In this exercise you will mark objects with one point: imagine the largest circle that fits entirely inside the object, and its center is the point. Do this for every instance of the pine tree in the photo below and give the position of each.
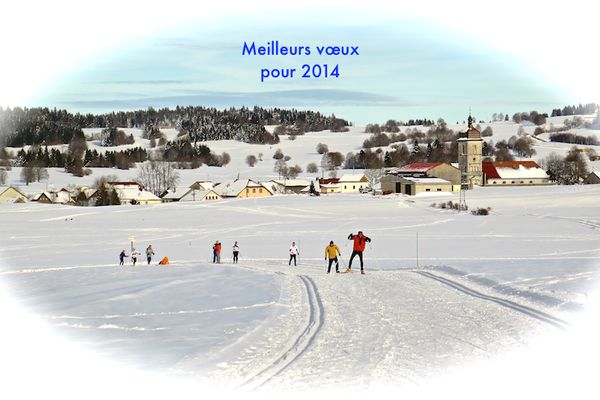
(387, 159)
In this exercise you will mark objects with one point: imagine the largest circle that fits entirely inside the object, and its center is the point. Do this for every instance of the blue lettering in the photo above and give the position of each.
(249, 50)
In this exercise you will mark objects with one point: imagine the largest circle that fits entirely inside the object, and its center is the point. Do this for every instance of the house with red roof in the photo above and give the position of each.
(513, 173)
(330, 185)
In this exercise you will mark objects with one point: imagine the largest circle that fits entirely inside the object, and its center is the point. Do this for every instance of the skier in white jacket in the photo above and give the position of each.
(293, 253)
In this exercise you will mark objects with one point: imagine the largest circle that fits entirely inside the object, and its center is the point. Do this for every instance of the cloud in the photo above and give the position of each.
(285, 98)
(144, 82)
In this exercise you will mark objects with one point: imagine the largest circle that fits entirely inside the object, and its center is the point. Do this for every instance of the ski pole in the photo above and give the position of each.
(376, 259)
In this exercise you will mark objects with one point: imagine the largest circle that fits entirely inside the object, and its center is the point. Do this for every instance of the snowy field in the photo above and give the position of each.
(481, 288)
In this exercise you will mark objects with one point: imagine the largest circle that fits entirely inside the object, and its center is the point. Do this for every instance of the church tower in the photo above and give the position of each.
(470, 147)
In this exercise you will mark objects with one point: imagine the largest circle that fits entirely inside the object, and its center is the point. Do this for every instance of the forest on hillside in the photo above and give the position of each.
(45, 126)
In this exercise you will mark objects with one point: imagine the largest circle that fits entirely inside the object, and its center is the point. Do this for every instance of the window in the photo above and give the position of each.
(521, 181)
(253, 190)
(345, 187)
(353, 187)
(260, 190)
(504, 182)
(494, 182)
(439, 189)
(530, 181)
(428, 190)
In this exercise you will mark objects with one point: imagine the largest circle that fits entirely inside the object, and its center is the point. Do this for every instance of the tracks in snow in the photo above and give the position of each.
(302, 342)
(531, 312)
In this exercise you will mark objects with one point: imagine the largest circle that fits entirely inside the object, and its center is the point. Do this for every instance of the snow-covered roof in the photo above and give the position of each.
(37, 196)
(428, 180)
(513, 170)
(177, 193)
(135, 194)
(418, 167)
(203, 184)
(291, 182)
(124, 184)
(62, 196)
(203, 193)
(353, 178)
(231, 188)
(234, 188)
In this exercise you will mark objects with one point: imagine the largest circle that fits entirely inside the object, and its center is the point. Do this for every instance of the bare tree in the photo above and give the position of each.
(278, 154)
(224, 159)
(33, 172)
(103, 180)
(374, 176)
(294, 171)
(251, 160)
(322, 148)
(281, 168)
(312, 168)
(158, 176)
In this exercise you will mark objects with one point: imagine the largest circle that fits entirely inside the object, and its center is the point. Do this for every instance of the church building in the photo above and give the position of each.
(470, 146)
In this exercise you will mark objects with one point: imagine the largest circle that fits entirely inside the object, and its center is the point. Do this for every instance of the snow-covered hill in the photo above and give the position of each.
(302, 151)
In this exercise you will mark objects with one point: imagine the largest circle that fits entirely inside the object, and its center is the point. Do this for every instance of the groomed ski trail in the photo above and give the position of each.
(539, 315)
(302, 342)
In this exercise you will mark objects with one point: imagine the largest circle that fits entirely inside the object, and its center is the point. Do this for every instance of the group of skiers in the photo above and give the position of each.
(135, 254)
(332, 251)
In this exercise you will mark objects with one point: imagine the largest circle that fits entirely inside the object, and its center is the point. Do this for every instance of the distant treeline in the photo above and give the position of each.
(574, 139)
(579, 109)
(77, 159)
(44, 126)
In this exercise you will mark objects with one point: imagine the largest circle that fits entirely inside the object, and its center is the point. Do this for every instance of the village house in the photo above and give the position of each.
(134, 195)
(63, 196)
(87, 197)
(353, 183)
(202, 185)
(286, 186)
(125, 185)
(513, 173)
(432, 170)
(329, 185)
(242, 188)
(9, 194)
(412, 186)
(188, 194)
(593, 178)
(44, 198)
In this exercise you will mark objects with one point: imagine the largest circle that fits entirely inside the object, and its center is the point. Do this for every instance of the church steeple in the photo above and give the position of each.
(470, 120)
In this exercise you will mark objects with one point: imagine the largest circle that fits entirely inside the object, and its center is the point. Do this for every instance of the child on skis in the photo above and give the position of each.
(293, 253)
(122, 257)
(149, 253)
(134, 256)
(331, 252)
(359, 246)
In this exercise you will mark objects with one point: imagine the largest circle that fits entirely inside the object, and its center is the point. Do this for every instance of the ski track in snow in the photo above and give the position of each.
(302, 342)
(542, 316)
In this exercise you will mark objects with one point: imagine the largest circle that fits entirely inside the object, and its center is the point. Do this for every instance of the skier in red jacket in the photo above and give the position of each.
(359, 246)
